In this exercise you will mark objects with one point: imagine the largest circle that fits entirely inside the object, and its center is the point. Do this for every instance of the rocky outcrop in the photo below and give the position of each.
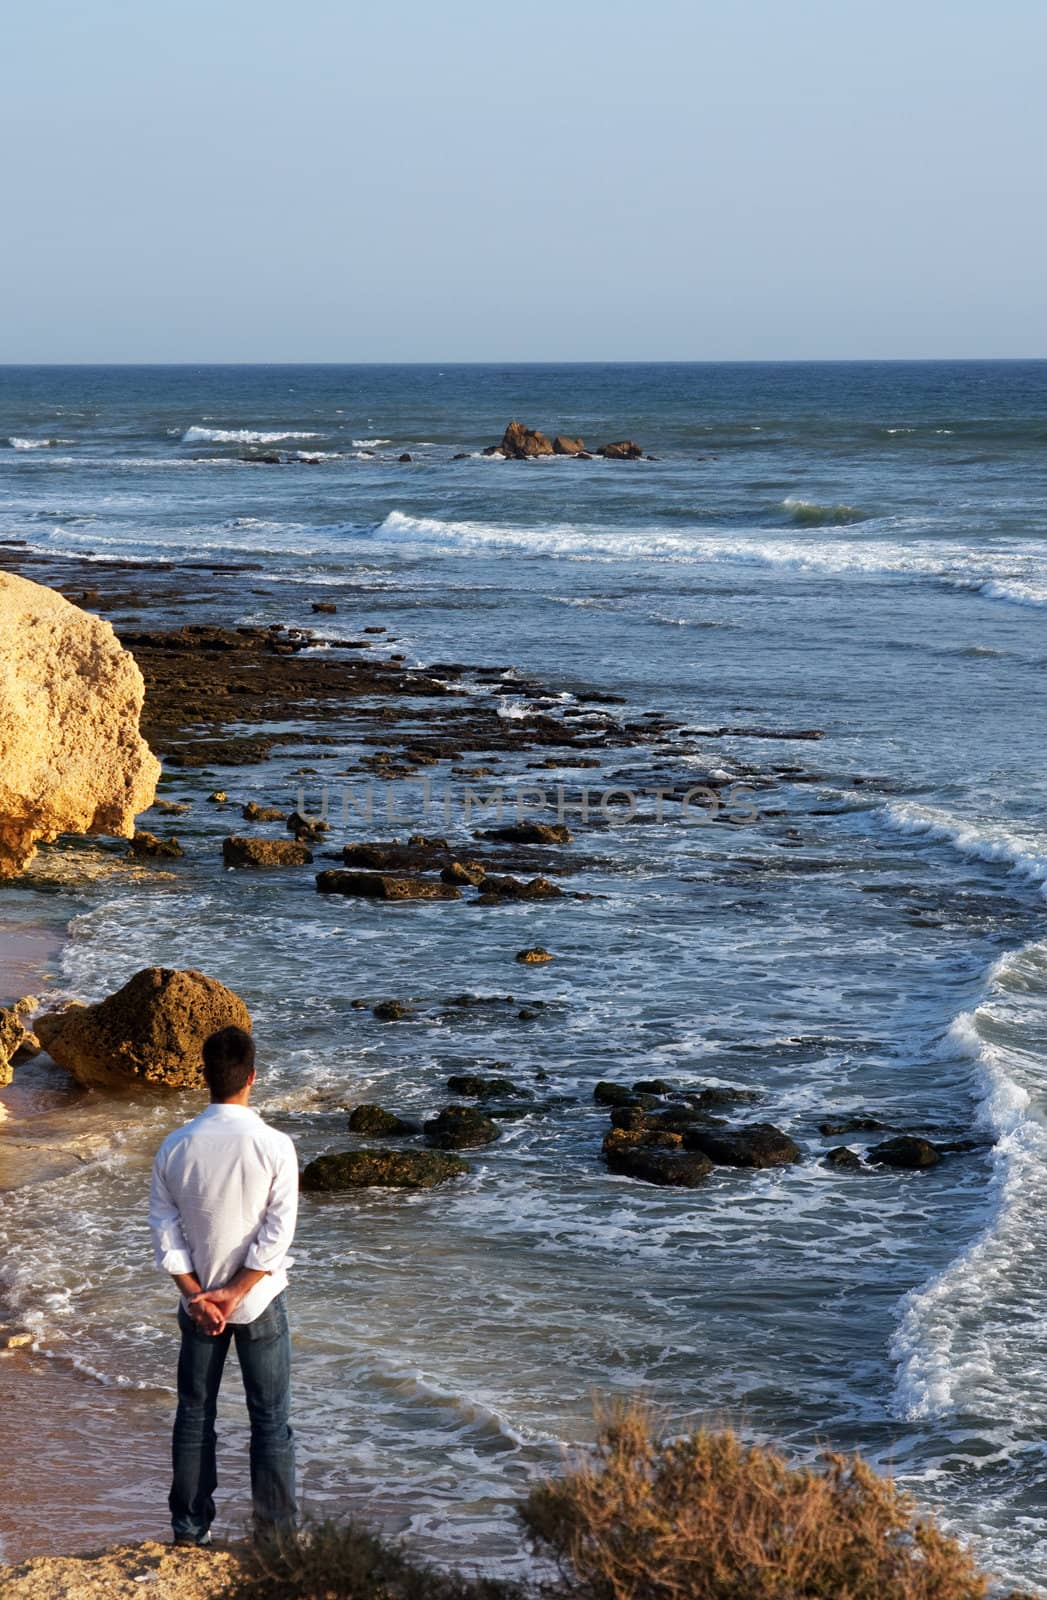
(380, 886)
(71, 757)
(521, 444)
(529, 833)
(621, 450)
(478, 1086)
(379, 1123)
(760, 1144)
(242, 850)
(563, 446)
(15, 1038)
(381, 1169)
(907, 1151)
(536, 955)
(147, 845)
(253, 812)
(149, 1034)
(459, 1128)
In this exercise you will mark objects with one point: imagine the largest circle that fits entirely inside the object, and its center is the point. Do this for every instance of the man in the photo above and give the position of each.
(222, 1211)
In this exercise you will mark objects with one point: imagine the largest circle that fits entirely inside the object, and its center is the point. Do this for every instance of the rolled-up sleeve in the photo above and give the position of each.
(169, 1242)
(268, 1250)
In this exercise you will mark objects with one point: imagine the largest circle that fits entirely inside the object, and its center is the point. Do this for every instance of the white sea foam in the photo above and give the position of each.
(199, 435)
(972, 1339)
(1017, 575)
(369, 444)
(978, 841)
(36, 444)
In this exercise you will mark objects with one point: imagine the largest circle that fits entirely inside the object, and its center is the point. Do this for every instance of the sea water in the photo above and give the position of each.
(860, 549)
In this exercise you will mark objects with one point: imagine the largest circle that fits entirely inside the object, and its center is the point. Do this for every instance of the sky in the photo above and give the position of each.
(437, 180)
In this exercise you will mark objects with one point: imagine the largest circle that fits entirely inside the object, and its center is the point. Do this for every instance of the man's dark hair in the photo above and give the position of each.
(228, 1062)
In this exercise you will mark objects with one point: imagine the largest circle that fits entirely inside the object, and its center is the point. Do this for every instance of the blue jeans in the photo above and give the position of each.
(263, 1348)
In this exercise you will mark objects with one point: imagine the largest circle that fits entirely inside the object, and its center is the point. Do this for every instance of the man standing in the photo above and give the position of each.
(222, 1211)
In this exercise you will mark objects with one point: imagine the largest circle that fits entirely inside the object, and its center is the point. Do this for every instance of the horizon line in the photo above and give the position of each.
(607, 361)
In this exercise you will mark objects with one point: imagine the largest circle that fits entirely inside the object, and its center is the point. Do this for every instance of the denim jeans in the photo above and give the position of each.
(264, 1351)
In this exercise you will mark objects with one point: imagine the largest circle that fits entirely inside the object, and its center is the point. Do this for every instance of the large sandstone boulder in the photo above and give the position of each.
(520, 443)
(150, 1033)
(71, 757)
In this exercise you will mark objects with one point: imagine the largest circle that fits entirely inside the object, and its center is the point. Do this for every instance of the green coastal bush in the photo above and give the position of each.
(647, 1517)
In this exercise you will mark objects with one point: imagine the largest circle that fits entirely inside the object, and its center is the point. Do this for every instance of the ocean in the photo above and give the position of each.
(858, 549)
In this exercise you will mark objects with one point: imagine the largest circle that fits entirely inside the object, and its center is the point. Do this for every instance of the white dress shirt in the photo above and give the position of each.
(224, 1195)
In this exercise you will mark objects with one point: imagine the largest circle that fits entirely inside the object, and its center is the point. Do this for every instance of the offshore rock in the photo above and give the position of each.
(529, 833)
(253, 812)
(241, 850)
(621, 450)
(478, 1086)
(148, 1034)
(563, 446)
(72, 759)
(382, 1169)
(907, 1151)
(381, 886)
(147, 844)
(521, 444)
(760, 1144)
(460, 1128)
(379, 1122)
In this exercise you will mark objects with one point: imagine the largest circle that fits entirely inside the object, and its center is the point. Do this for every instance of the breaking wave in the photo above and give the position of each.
(199, 435)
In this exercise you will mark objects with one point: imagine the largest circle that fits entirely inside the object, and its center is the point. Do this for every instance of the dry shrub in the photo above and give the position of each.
(340, 1561)
(709, 1518)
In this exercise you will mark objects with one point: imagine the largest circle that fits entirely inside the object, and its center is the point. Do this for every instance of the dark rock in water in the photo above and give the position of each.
(239, 850)
(391, 1010)
(657, 1159)
(529, 833)
(675, 1119)
(460, 1128)
(266, 458)
(471, 873)
(380, 886)
(653, 1086)
(536, 956)
(252, 812)
(326, 607)
(381, 1169)
(843, 1159)
(616, 1094)
(460, 455)
(147, 844)
(621, 450)
(496, 888)
(563, 446)
(380, 1123)
(521, 444)
(855, 1124)
(405, 457)
(475, 1086)
(419, 853)
(760, 1144)
(906, 1151)
(720, 1095)
(307, 830)
(170, 808)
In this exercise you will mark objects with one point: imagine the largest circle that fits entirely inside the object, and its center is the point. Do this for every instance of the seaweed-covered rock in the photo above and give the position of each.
(460, 1128)
(382, 886)
(391, 1010)
(244, 850)
(656, 1159)
(906, 1151)
(149, 1034)
(759, 1144)
(477, 1086)
(381, 1169)
(379, 1122)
